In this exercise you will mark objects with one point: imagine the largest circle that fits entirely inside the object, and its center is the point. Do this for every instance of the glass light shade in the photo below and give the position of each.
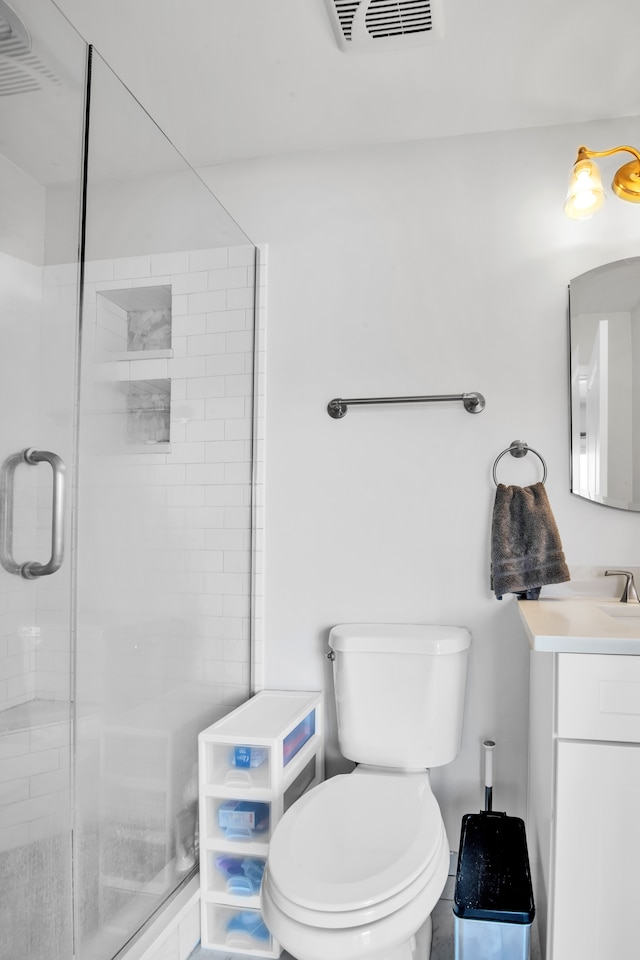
(585, 195)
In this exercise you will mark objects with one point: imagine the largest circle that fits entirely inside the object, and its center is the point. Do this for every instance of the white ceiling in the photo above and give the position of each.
(232, 79)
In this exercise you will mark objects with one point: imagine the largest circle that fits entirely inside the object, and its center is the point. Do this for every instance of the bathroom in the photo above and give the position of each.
(383, 282)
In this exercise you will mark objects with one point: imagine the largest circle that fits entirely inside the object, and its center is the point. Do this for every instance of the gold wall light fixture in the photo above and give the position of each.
(585, 195)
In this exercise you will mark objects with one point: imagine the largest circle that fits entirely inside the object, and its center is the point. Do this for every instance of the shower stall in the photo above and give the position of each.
(126, 452)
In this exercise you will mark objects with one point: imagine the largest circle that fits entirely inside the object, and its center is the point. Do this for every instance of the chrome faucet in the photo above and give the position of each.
(629, 592)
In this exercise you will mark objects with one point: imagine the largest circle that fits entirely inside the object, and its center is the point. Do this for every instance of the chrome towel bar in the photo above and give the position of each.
(473, 402)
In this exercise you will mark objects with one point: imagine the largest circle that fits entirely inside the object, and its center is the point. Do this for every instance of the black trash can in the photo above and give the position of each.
(493, 900)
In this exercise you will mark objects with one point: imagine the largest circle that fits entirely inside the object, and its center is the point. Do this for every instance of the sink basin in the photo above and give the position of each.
(623, 611)
(581, 625)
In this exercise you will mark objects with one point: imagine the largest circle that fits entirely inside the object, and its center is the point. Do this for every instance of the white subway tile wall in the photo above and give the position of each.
(192, 495)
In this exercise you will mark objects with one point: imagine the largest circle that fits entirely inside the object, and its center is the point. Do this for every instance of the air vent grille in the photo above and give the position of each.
(346, 10)
(358, 23)
(21, 71)
(388, 19)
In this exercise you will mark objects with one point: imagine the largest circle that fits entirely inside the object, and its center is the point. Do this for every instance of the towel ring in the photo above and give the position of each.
(518, 448)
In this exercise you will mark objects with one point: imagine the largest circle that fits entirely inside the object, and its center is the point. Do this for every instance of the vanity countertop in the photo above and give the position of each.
(581, 625)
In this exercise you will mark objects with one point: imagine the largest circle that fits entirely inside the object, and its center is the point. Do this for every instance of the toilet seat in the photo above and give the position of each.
(341, 857)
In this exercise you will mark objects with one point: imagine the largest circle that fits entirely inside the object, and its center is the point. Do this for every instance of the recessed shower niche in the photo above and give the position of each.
(148, 410)
(133, 325)
(134, 320)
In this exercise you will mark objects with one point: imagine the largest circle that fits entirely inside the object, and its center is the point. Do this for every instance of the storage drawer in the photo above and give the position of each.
(238, 820)
(245, 766)
(231, 928)
(598, 697)
(232, 873)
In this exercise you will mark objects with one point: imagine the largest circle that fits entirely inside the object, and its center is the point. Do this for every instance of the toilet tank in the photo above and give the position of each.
(399, 691)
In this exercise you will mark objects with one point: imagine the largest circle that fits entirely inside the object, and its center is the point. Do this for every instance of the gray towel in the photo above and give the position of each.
(526, 551)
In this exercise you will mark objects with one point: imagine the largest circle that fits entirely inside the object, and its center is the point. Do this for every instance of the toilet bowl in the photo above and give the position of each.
(356, 866)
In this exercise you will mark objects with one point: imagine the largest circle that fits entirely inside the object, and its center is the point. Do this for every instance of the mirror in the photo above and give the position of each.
(604, 325)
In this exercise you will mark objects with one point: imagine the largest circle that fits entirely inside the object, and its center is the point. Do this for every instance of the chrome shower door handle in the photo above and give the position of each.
(31, 569)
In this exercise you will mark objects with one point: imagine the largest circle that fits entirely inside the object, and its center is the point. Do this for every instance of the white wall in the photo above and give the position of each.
(427, 267)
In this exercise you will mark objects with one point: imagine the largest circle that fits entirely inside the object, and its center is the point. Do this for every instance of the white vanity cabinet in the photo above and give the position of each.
(584, 803)
(253, 764)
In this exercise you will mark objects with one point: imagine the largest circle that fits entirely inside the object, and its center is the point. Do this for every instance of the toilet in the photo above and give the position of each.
(356, 865)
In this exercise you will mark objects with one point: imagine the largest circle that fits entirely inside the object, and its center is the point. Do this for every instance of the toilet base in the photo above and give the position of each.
(417, 947)
(423, 940)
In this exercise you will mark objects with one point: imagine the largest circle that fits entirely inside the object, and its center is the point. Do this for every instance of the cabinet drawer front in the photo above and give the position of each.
(598, 697)
(597, 848)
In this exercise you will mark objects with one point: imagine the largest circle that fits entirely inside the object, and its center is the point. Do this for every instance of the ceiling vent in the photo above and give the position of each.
(377, 24)
(21, 71)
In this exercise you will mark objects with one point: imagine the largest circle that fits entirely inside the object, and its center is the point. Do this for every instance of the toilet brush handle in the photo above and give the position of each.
(489, 747)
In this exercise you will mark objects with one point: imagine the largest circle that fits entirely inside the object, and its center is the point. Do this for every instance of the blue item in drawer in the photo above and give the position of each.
(251, 922)
(249, 757)
(244, 874)
(241, 818)
(230, 866)
(295, 740)
(253, 870)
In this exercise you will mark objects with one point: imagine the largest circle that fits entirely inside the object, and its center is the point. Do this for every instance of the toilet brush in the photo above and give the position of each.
(489, 747)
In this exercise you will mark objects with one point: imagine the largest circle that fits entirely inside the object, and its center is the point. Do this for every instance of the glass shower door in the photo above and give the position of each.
(125, 605)
(164, 509)
(42, 96)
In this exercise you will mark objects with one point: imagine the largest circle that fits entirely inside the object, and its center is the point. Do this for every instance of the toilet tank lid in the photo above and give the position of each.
(418, 638)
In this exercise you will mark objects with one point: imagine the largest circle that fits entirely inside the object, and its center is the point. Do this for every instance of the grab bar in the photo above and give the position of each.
(473, 402)
(31, 569)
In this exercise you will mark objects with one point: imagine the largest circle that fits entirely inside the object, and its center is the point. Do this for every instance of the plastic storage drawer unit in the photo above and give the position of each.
(253, 764)
(493, 899)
